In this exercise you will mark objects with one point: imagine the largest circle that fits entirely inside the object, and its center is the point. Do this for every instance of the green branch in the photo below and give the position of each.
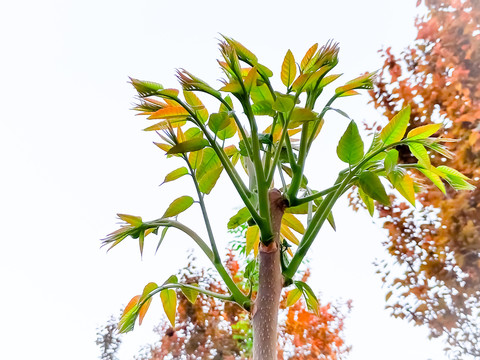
(178, 225)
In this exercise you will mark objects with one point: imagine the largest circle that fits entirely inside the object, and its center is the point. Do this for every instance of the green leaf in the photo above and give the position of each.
(178, 206)
(448, 171)
(193, 133)
(367, 200)
(373, 187)
(218, 121)
(175, 174)
(162, 236)
(441, 149)
(141, 240)
(263, 70)
(391, 160)
(263, 107)
(188, 146)
(455, 178)
(209, 171)
(423, 132)
(239, 218)
(250, 269)
(261, 93)
(228, 131)
(169, 301)
(396, 128)
(252, 238)
(293, 296)
(190, 294)
(173, 279)
(350, 147)
(310, 298)
(419, 151)
(289, 69)
(283, 104)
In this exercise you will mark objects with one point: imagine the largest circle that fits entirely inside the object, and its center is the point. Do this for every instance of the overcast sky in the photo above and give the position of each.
(73, 155)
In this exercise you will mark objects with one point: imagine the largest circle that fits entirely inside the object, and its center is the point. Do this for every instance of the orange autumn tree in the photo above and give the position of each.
(211, 329)
(437, 245)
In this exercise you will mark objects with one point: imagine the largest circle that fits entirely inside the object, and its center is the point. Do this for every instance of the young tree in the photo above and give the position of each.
(210, 144)
(438, 244)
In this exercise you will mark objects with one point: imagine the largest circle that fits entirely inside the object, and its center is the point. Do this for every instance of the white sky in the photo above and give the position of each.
(73, 155)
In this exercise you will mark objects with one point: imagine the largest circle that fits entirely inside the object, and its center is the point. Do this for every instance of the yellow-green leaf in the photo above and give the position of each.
(396, 127)
(308, 56)
(194, 144)
(423, 132)
(451, 172)
(197, 105)
(175, 174)
(292, 222)
(419, 151)
(434, 178)
(404, 184)
(129, 315)
(251, 79)
(190, 294)
(169, 302)
(288, 234)
(170, 112)
(300, 82)
(178, 206)
(239, 218)
(218, 121)
(289, 69)
(391, 160)
(131, 219)
(252, 238)
(167, 124)
(195, 158)
(283, 104)
(329, 79)
(300, 114)
(293, 296)
(208, 171)
(310, 298)
(146, 291)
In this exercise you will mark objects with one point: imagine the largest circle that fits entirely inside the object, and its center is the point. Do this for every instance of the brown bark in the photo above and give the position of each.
(265, 313)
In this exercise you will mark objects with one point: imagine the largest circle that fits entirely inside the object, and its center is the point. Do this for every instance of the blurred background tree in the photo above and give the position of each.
(212, 329)
(436, 280)
(108, 339)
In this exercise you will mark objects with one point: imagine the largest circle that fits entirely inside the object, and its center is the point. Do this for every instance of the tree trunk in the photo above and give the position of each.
(265, 312)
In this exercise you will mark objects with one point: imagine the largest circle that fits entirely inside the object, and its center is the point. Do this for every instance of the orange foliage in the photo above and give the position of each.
(211, 329)
(438, 245)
